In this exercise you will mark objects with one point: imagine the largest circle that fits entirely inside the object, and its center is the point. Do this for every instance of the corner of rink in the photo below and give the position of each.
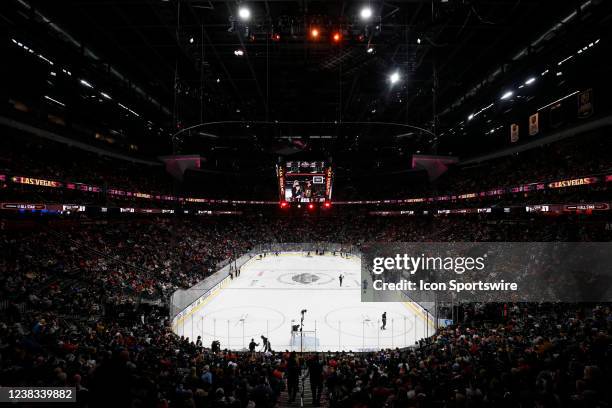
(301, 301)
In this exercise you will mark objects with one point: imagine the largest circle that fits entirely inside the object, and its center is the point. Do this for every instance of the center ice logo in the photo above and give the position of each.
(305, 278)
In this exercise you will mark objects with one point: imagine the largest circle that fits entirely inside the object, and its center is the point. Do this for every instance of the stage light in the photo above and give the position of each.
(284, 204)
(311, 206)
(314, 33)
(418, 40)
(191, 40)
(507, 95)
(244, 13)
(370, 50)
(337, 37)
(327, 204)
(394, 77)
(85, 83)
(530, 81)
(276, 37)
(239, 53)
(366, 13)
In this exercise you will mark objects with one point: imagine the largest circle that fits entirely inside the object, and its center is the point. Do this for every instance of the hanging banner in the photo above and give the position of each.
(514, 133)
(534, 124)
(585, 104)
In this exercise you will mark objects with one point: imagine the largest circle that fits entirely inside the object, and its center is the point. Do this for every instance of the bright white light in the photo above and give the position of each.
(394, 77)
(54, 100)
(418, 40)
(85, 83)
(105, 95)
(218, 80)
(565, 60)
(507, 95)
(370, 50)
(530, 81)
(190, 40)
(471, 116)
(244, 13)
(558, 100)
(366, 13)
(239, 53)
(559, 73)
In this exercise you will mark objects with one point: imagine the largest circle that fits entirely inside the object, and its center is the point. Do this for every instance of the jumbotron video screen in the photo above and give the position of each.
(305, 181)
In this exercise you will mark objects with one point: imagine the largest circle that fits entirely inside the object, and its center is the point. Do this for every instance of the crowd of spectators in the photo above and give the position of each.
(574, 157)
(582, 156)
(76, 314)
(25, 155)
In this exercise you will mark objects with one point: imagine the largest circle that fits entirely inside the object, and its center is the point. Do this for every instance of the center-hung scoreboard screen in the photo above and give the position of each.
(305, 181)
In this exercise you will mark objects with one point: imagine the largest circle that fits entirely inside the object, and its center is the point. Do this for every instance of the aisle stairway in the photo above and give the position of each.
(283, 401)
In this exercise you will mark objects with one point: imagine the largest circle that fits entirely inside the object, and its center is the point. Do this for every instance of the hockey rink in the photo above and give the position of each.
(268, 296)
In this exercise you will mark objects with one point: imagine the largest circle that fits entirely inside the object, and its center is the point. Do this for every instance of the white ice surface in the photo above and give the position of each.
(268, 296)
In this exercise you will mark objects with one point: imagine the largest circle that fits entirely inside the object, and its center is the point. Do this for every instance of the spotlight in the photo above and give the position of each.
(507, 95)
(530, 81)
(337, 37)
(238, 53)
(244, 13)
(394, 77)
(418, 40)
(276, 37)
(191, 40)
(311, 206)
(366, 13)
(370, 50)
(284, 204)
(85, 83)
(327, 204)
(314, 33)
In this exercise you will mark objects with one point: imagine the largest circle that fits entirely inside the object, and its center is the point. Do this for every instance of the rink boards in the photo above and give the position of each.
(267, 297)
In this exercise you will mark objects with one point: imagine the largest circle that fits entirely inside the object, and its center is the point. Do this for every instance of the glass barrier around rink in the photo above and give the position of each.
(356, 334)
(183, 299)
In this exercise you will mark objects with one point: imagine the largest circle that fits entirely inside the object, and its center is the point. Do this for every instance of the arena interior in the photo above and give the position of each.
(193, 194)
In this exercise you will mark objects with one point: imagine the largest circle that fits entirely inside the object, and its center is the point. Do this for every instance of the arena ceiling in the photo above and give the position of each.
(184, 59)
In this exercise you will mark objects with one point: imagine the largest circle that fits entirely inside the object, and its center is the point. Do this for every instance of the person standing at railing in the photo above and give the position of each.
(252, 345)
(293, 376)
(315, 370)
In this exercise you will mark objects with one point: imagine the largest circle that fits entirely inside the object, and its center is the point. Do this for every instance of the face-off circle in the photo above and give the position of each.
(305, 278)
